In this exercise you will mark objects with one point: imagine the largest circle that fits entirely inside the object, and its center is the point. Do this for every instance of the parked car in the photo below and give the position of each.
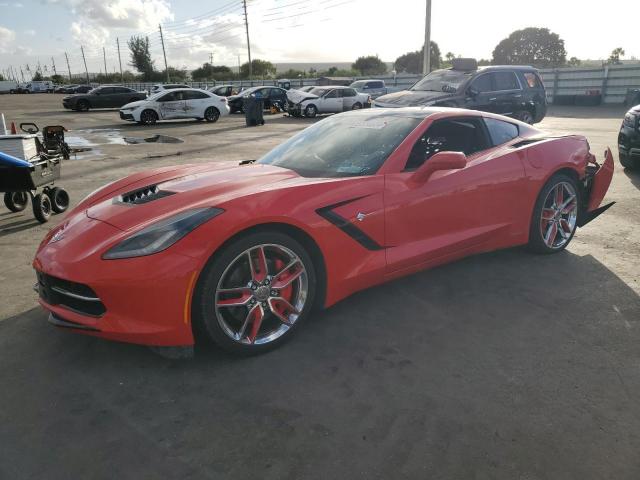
(242, 253)
(224, 90)
(629, 139)
(374, 88)
(61, 89)
(325, 100)
(306, 88)
(20, 88)
(44, 86)
(513, 91)
(160, 87)
(80, 89)
(269, 95)
(107, 96)
(175, 104)
(8, 86)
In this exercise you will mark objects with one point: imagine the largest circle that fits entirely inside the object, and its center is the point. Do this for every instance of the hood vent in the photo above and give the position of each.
(144, 195)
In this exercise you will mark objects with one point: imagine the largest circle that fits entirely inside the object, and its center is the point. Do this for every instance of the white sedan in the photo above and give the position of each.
(176, 104)
(325, 100)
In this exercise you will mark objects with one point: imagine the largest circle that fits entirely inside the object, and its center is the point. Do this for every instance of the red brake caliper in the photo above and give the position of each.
(286, 292)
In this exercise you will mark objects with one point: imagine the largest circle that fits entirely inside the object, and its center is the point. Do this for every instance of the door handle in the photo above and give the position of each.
(492, 99)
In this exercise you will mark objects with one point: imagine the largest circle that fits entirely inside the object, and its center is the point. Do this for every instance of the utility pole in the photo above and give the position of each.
(104, 56)
(166, 67)
(68, 67)
(211, 58)
(85, 64)
(246, 25)
(426, 67)
(53, 64)
(120, 61)
(238, 65)
(21, 73)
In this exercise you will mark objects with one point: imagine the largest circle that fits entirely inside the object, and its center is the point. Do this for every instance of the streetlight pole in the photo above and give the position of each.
(426, 64)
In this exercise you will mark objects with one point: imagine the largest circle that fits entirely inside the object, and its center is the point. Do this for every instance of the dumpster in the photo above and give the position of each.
(253, 110)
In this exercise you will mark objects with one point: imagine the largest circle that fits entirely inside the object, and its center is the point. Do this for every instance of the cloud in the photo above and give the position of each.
(30, 32)
(6, 38)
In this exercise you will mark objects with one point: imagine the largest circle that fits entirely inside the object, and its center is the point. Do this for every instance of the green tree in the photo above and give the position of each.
(574, 62)
(212, 72)
(1, 77)
(292, 74)
(370, 65)
(531, 46)
(412, 62)
(141, 57)
(260, 68)
(37, 77)
(614, 58)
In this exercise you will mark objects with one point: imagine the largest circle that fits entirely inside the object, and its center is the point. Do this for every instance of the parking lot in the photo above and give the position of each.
(505, 365)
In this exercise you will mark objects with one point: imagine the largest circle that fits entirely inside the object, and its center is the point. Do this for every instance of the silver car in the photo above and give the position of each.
(373, 88)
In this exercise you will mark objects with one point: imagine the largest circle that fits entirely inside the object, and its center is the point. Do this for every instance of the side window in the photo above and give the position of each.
(456, 135)
(375, 84)
(533, 81)
(501, 132)
(349, 92)
(483, 83)
(332, 94)
(106, 90)
(169, 97)
(276, 93)
(189, 95)
(122, 90)
(505, 81)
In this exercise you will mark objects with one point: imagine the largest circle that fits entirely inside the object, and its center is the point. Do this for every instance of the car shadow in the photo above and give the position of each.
(535, 353)
(634, 176)
(16, 226)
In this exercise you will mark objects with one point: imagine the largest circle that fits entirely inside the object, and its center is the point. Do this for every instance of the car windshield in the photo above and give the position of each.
(346, 145)
(357, 85)
(448, 81)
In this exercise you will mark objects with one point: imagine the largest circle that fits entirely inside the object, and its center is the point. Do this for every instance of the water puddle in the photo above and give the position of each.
(83, 142)
(154, 139)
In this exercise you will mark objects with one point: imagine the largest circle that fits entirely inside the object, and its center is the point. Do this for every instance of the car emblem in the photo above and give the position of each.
(361, 216)
(59, 235)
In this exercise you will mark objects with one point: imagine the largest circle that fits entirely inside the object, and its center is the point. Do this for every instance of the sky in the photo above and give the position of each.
(296, 30)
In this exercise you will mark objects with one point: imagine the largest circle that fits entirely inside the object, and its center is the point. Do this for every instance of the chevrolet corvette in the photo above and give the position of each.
(241, 253)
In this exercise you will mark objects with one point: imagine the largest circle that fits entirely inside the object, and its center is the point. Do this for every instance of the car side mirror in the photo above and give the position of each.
(440, 161)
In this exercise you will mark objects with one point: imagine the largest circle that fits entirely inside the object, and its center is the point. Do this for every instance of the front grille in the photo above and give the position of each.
(144, 195)
(75, 296)
(630, 120)
(126, 116)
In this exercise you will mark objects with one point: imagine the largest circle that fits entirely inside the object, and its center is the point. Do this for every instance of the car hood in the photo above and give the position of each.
(296, 96)
(150, 196)
(411, 98)
(134, 104)
(76, 96)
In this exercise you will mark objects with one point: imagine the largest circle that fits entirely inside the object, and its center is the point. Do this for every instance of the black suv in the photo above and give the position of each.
(269, 95)
(514, 91)
(629, 139)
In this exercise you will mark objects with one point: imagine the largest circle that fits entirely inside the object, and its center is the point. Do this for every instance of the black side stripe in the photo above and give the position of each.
(346, 226)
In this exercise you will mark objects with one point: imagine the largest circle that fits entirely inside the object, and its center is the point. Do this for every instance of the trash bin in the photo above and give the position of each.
(253, 111)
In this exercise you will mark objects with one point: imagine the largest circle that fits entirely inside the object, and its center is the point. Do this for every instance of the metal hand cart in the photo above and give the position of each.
(35, 177)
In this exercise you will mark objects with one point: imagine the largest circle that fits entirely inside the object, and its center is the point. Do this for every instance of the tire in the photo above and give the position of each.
(233, 327)
(310, 111)
(553, 232)
(59, 199)
(82, 106)
(42, 207)
(211, 114)
(525, 116)
(148, 117)
(629, 163)
(356, 106)
(16, 201)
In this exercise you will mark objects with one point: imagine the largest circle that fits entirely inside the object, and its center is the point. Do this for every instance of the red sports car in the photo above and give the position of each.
(241, 253)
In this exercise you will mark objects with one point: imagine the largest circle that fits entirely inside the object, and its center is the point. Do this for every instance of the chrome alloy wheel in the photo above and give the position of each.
(261, 294)
(559, 215)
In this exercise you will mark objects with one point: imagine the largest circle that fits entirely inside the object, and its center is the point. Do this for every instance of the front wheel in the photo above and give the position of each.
(148, 117)
(311, 111)
(356, 106)
(16, 201)
(255, 293)
(211, 114)
(555, 215)
(83, 106)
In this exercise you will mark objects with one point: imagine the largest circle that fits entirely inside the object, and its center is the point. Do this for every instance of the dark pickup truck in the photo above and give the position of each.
(513, 91)
(102, 97)
(629, 139)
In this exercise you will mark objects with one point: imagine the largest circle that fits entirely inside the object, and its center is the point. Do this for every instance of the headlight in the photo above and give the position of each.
(161, 235)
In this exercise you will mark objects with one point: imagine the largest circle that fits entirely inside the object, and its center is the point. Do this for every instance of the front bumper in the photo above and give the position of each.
(116, 299)
(629, 143)
(126, 116)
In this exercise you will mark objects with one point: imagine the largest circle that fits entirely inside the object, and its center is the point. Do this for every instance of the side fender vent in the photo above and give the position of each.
(528, 141)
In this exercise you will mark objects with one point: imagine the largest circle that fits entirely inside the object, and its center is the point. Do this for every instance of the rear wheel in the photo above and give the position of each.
(211, 114)
(555, 215)
(356, 106)
(16, 201)
(42, 207)
(59, 199)
(525, 116)
(255, 293)
(148, 117)
(629, 163)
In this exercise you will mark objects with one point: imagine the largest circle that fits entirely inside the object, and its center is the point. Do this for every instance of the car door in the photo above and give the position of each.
(349, 98)
(480, 94)
(103, 97)
(171, 105)
(278, 96)
(331, 102)
(197, 103)
(507, 92)
(121, 96)
(454, 212)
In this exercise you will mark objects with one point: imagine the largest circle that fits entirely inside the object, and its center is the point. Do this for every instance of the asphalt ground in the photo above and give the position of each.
(504, 365)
